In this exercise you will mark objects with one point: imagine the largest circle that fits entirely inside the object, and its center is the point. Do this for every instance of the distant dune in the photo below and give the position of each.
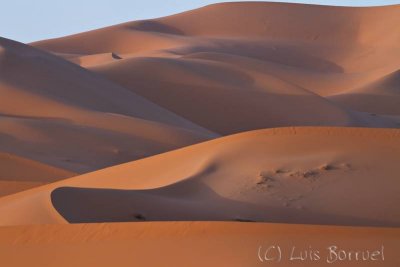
(18, 174)
(256, 114)
(261, 58)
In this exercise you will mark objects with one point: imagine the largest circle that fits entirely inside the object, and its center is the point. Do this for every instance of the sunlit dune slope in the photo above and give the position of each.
(17, 174)
(293, 175)
(202, 138)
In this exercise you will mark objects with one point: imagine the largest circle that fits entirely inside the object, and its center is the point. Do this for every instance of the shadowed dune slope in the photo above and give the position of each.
(328, 178)
(62, 115)
(229, 98)
(157, 142)
(381, 96)
(41, 76)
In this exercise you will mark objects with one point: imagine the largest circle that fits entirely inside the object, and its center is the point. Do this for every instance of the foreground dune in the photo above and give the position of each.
(192, 244)
(291, 175)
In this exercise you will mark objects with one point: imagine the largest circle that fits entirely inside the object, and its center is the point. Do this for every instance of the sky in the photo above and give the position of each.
(32, 20)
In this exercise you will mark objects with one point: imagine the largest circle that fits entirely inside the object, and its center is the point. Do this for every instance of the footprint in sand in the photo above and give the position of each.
(291, 185)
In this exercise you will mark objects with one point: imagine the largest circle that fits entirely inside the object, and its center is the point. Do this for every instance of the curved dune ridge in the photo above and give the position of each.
(206, 135)
(288, 175)
(62, 115)
(369, 97)
(151, 86)
(261, 58)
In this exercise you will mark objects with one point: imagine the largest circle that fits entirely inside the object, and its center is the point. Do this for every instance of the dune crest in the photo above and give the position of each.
(324, 52)
(243, 177)
(199, 138)
(62, 115)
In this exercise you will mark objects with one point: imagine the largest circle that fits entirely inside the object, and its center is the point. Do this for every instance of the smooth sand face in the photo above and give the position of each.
(57, 113)
(189, 244)
(152, 94)
(287, 175)
(18, 174)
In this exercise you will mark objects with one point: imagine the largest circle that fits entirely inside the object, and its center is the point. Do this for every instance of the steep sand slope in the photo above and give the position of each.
(293, 175)
(189, 244)
(380, 97)
(23, 72)
(60, 114)
(17, 174)
(205, 55)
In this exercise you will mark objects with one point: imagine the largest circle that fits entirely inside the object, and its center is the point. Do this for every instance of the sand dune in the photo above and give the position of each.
(328, 179)
(17, 174)
(188, 61)
(59, 114)
(253, 99)
(369, 98)
(191, 104)
(269, 20)
(341, 39)
(91, 60)
(76, 89)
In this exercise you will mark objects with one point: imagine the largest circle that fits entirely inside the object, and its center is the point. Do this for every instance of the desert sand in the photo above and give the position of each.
(201, 138)
(186, 244)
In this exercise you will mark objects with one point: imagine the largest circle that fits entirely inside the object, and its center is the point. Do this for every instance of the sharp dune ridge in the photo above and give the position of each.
(259, 184)
(80, 120)
(198, 134)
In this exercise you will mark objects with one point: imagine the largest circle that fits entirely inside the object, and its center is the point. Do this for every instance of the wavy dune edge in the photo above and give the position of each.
(202, 138)
(328, 178)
